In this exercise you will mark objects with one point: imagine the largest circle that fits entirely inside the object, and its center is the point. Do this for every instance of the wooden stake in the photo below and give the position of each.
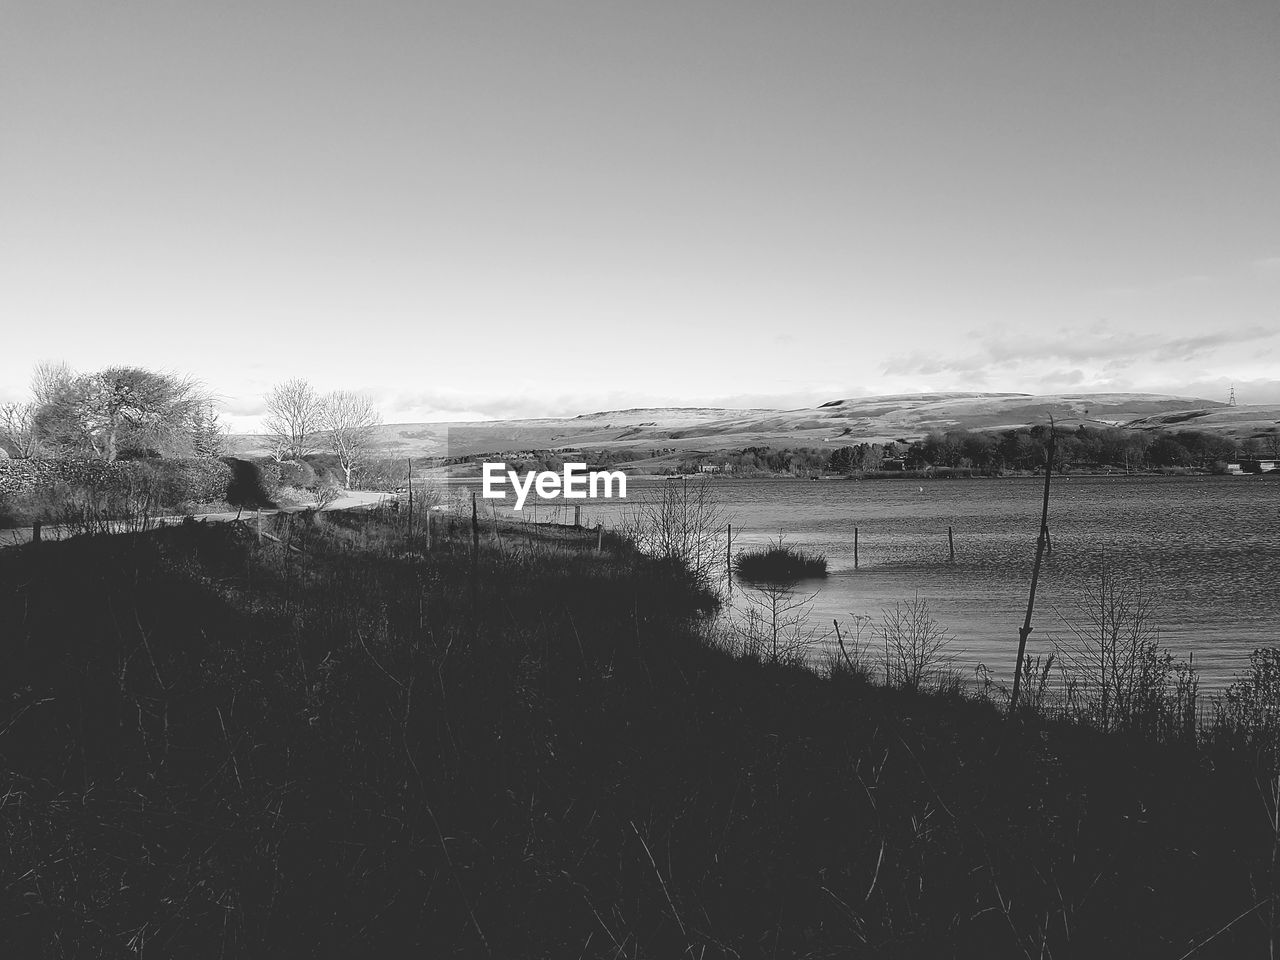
(577, 514)
(728, 552)
(599, 536)
(951, 543)
(855, 548)
(1025, 631)
(35, 532)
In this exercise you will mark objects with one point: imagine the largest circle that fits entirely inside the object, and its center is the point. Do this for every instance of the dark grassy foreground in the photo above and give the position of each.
(215, 748)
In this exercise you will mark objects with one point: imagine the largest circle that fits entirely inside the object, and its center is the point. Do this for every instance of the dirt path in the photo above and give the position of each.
(350, 500)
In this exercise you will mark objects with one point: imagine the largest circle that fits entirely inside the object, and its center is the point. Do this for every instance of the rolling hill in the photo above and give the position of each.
(654, 434)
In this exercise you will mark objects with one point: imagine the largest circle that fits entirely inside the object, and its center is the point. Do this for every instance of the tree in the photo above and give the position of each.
(842, 460)
(208, 439)
(18, 429)
(351, 421)
(294, 414)
(119, 410)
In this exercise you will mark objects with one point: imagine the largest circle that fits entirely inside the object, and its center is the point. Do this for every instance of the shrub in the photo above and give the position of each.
(1248, 712)
(682, 522)
(253, 484)
(778, 563)
(298, 473)
(914, 645)
(774, 625)
(385, 473)
(326, 493)
(202, 480)
(1116, 676)
(47, 489)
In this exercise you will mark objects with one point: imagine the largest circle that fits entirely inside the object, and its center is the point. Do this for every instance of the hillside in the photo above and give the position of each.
(528, 747)
(668, 430)
(1238, 422)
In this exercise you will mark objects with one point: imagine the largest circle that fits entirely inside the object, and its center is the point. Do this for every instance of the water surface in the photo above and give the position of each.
(1205, 549)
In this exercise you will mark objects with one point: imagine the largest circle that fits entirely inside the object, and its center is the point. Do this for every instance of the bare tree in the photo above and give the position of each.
(49, 379)
(775, 623)
(351, 421)
(294, 414)
(18, 429)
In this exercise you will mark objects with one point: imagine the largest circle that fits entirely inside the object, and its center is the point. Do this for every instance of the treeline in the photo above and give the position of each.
(994, 452)
(126, 440)
(525, 460)
(1111, 448)
(794, 461)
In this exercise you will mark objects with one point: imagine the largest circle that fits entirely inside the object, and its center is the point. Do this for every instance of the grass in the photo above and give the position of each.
(215, 746)
(779, 563)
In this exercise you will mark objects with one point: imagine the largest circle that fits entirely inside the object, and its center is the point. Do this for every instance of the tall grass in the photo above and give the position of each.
(339, 742)
(779, 562)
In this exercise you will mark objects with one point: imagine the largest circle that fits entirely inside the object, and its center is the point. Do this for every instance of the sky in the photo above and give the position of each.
(541, 207)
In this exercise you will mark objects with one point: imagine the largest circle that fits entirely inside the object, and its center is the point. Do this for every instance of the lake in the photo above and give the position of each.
(1205, 549)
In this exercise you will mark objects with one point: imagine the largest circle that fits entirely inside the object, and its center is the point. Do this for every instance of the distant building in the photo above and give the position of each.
(1258, 466)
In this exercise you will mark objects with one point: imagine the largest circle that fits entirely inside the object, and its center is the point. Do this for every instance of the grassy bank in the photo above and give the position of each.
(342, 744)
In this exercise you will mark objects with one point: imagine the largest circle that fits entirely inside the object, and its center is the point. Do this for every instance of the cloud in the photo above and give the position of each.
(1096, 347)
(439, 406)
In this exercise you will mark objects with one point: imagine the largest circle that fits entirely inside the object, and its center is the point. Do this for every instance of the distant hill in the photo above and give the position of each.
(1237, 422)
(669, 431)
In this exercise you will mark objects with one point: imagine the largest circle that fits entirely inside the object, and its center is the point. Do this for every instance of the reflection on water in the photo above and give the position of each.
(1207, 549)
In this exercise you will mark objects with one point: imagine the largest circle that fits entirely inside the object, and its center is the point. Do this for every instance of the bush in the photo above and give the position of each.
(1248, 712)
(681, 522)
(253, 485)
(326, 493)
(45, 490)
(298, 473)
(778, 563)
(327, 469)
(1116, 675)
(914, 645)
(177, 481)
(385, 473)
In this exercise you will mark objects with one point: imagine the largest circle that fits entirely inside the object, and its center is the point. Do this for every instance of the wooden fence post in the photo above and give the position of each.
(35, 532)
(855, 548)
(951, 544)
(409, 461)
(599, 536)
(475, 526)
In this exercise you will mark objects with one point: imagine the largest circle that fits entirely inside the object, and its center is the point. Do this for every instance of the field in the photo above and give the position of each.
(355, 743)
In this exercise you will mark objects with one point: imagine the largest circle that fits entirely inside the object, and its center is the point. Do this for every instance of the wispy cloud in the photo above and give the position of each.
(1096, 347)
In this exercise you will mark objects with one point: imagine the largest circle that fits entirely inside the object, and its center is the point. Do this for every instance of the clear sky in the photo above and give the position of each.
(548, 207)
